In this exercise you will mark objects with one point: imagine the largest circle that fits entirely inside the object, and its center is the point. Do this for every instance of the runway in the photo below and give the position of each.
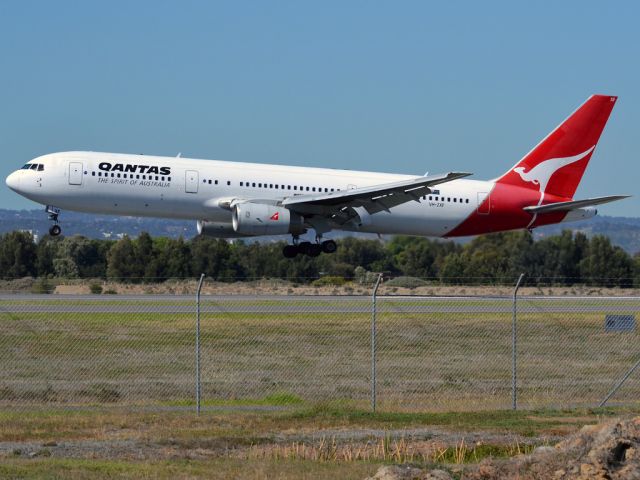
(274, 304)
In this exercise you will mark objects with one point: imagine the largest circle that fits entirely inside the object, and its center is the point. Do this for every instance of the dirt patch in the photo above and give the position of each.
(609, 451)
(284, 287)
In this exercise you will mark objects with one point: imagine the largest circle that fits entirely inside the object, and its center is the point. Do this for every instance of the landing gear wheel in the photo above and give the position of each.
(55, 230)
(290, 251)
(314, 250)
(329, 246)
(303, 247)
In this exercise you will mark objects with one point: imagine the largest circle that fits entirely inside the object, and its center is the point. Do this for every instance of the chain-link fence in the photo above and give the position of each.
(432, 352)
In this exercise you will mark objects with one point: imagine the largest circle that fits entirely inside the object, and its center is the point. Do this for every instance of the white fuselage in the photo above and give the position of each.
(197, 189)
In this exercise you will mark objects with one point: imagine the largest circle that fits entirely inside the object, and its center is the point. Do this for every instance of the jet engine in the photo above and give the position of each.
(217, 229)
(263, 219)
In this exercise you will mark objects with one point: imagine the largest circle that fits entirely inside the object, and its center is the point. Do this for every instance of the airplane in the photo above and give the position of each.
(233, 200)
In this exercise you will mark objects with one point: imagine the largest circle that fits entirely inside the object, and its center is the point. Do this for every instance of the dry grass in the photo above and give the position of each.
(437, 361)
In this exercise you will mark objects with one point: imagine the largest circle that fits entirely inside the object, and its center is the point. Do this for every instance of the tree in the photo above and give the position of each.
(79, 256)
(606, 264)
(45, 252)
(420, 257)
(122, 261)
(17, 255)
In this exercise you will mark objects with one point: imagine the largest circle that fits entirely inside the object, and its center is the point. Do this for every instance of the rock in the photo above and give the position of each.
(407, 472)
(543, 449)
(436, 475)
(397, 472)
(608, 451)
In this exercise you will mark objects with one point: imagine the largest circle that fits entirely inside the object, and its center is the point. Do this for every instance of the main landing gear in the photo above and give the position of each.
(53, 213)
(308, 248)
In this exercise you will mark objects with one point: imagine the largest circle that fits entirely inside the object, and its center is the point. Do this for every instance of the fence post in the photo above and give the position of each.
(198, 385)
(373, 343)
(514, 345)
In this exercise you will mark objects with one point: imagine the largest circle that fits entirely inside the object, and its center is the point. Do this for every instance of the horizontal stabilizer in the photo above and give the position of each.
(573, 204)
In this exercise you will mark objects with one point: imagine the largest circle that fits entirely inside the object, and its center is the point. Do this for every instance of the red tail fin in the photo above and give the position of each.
(557, 163)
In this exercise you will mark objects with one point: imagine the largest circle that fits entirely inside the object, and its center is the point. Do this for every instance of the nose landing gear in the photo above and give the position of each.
(308, 248)
(53, 213)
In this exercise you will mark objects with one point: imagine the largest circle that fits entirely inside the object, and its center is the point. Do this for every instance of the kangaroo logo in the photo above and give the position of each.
(541, 174)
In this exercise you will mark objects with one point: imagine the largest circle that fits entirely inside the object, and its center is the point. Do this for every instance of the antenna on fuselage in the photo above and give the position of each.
(179, 155)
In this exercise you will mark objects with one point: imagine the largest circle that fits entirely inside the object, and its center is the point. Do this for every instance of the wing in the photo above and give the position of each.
(574, 204)
(342, 206)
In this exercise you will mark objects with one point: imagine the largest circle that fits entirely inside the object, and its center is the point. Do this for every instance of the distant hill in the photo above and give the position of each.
(622, 231)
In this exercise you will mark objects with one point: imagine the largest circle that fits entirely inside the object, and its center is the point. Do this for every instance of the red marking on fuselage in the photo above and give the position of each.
(275, 216)
(505, 205)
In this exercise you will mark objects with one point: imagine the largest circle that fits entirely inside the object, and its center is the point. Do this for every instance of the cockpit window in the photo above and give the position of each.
(33, 166)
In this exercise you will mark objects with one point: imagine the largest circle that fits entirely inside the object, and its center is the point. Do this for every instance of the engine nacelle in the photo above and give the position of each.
(263, 219)
(217, 229)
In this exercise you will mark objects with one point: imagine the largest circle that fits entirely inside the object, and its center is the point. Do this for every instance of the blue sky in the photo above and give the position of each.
(404, 87)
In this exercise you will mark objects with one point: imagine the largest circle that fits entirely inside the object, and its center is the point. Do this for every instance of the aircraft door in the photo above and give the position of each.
(75, 173)
(191, 181)
(484, 203)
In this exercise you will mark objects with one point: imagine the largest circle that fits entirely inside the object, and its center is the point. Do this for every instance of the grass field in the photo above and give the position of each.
(286, 385)
(427, 360)
(330, 440)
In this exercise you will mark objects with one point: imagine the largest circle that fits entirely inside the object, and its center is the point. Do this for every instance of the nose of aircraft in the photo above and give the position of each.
(13, 181)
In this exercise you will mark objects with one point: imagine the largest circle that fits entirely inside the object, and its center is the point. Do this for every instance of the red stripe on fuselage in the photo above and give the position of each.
(505, 205)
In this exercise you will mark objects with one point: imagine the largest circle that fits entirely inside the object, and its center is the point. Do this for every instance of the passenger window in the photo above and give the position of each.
(228, 182)
(295, 187)
(271, 185)
(169, 179)
(241, 184)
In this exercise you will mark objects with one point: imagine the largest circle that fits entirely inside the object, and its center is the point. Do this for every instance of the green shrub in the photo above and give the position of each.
(95, 288)
(406, 282)
(329, 280)
(42, 285)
